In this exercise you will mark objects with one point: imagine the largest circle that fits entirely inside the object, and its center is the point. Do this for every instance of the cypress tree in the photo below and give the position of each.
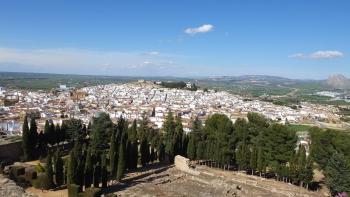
(52, 134)
(161, 154)
(47, 132)
(88, 171)
(71, 174)
(133, 131)
(97, 171)
(134, 155)
(58, 133)
(59, 176)
(191, 148)
(144, 149)
(49, 169)
(152, 154)
(30, 139)
(42, 145)
(121, 160)
(104, 173)
(33, 130)
(113, 157)
(184, 144)
(170, 138)
(179, 133)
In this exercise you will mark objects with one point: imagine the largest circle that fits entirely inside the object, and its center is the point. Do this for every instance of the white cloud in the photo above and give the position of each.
(152, 53)
(318, 55)
(297, 55)
(326, 54)
(202, 29)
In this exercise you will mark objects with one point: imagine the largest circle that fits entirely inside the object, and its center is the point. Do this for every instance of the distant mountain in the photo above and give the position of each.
(249, 78)
(338, 81)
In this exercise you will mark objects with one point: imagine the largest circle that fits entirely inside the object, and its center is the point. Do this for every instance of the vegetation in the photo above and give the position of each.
(331, 151)
(257, 145)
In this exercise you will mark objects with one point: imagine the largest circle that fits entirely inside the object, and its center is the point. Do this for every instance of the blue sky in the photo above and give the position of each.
(296, 39)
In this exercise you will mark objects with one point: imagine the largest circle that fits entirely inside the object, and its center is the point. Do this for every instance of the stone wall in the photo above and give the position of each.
(183, 164)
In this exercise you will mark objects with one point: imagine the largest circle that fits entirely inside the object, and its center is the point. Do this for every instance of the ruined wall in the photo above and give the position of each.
(182, 163)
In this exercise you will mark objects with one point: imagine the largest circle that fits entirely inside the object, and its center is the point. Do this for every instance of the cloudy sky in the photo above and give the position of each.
(296, 39)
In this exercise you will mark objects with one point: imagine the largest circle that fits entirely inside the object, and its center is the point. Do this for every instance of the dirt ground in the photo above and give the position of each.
(211, 182)
(166, 181)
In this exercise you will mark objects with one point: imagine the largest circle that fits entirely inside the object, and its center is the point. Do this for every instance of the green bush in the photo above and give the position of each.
(42, 182)
(73, 190)
(39, 168)
(92, 192)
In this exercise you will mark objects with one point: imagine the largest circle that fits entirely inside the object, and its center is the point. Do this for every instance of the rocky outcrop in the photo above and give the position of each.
(338, 81)
(9, 188)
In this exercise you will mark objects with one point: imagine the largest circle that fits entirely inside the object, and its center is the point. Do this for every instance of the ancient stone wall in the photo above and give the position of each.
(183, 164)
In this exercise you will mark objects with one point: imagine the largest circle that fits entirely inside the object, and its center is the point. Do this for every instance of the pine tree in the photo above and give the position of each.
(253, 159)
(309, 174)
(242, 156)
(102, 128)
(301, 164)
(260, 161)
(338, 174)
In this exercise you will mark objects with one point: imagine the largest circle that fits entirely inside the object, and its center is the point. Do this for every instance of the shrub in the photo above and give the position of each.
(73, 190)
(39, 168)
(92, 192)
(42, 182)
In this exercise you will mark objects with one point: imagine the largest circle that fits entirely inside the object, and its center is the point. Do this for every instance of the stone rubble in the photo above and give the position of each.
(9, 188)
